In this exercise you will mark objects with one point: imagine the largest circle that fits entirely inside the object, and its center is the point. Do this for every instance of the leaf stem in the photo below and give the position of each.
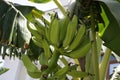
(104, 64)
(60, 7)
(94, 47)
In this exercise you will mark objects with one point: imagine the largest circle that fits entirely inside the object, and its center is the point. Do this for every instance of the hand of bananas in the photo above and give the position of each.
(65, 35)
(62, 37)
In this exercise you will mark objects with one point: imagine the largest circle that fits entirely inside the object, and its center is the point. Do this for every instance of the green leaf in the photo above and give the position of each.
(110, 33)
(27, 11)
(8, 25)
(29, 65)
(23, 34)
(13, 25)
(4, 6)
(3, 70)
(32, 70)
(40, 1)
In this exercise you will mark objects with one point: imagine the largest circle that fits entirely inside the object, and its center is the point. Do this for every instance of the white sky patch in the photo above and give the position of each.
(41, 6)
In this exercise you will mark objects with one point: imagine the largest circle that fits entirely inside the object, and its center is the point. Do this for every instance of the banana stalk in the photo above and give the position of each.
(51, 65)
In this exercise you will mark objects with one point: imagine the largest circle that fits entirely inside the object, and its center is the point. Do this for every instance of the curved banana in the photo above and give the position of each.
(40, 28)
(47, 33)
(71, 30)
(55, 32)
(52, 62)
(62, 71)
(81, 51)
(37, 42)
(63, 27)
(35, 75)
(78, 74)
(78, 38)
(46, 48)
(42, 59)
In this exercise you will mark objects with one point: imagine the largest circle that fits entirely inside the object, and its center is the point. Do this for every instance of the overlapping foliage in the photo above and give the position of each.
(73, 36)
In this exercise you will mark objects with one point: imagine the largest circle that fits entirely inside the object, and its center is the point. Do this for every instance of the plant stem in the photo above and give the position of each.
(95, 55)
(94, 47)
(104, 63)
(60, 7)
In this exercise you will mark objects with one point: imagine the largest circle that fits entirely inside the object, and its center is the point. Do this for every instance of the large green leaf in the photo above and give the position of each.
(27, 11)
(32, 70)
(4, 7)
(8, 25)
(110, 33)
(13, 27)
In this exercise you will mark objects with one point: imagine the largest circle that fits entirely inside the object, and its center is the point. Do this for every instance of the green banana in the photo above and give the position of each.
(54, 32)
(52, 63)
(78, 38)
(37, 42)
(78, 74)
(82, 50)
(47, 33)
(33, 30)
(63, 27)
(62, 71)
(42, 59)
(71, 30)
(46, 49)
(35, 75)
(40, 28)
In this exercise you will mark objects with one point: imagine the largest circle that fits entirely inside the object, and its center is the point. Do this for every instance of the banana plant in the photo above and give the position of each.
(78, 36)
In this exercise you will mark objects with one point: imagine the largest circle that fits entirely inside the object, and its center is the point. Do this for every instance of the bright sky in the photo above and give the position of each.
(44, 7)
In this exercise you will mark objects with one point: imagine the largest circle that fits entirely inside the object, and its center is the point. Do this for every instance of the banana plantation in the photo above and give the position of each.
(88, 34)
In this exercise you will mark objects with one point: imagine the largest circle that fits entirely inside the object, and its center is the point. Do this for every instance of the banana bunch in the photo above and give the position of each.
(71, 37)
(66, 36)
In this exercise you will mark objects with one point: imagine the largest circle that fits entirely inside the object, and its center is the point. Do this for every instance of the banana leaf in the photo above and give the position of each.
(27, 11)
(13, 28)
(110, 33)
(3, 70)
